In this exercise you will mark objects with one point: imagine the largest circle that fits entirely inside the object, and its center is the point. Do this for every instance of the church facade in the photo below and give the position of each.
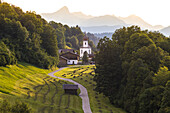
(85, 47)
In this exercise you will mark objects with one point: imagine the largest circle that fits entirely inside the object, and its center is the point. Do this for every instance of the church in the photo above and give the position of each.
(85, 47)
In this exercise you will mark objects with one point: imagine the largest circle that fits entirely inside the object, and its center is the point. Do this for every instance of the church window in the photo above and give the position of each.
(89, 51)
(85, 43)
(81, 51)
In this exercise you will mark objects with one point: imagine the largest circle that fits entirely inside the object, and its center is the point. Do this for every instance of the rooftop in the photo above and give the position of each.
(66, 50)
(85, 38)
(69, 53)
(70, 86)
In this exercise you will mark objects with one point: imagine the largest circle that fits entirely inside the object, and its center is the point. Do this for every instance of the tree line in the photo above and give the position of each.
(133, 70)
(26, 36)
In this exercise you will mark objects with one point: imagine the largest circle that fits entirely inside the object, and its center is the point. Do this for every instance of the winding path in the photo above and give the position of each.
(83, 94)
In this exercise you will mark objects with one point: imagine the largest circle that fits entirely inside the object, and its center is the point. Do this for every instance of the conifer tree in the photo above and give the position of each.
(85, 58)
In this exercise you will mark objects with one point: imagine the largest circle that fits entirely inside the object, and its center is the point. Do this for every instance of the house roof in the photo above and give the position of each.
(70, 86)
(66, 50)
(64, 58)
(70, 53)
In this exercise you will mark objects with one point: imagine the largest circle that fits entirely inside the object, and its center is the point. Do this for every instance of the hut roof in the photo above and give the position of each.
(70, 86)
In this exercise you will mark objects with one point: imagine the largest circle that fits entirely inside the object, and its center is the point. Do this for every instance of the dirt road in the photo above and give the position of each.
(83, 94)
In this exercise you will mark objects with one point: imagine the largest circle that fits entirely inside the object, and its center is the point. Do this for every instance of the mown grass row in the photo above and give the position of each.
(24, 82)
(84, 75)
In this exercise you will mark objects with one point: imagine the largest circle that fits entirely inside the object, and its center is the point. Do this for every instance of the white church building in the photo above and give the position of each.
(85, 47)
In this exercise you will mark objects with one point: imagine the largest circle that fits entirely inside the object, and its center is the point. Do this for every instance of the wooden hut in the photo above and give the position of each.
(70, 89)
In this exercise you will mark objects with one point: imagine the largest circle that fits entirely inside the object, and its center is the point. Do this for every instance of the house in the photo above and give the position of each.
(68, 58)
(85, 47)
(70, 89)
(63, 61)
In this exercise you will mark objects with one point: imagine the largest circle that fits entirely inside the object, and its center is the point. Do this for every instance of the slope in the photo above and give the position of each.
(27, 83)
(84, 75)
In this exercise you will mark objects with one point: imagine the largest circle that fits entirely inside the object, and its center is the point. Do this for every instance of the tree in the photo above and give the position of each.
(136, 41)
(5, 107)
(150, 100)
(67, 32)
(60, 34)
(8, 11)
(6, 56)
(122, 35)
(166, 62)
(130, 70)
(137, 73)
(85, 58)
(91, 44)
(74, 41)
(165, 105)
(18, 107)
(108, 68)
(49, 41)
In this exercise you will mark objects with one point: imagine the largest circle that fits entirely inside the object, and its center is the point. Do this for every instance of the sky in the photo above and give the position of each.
(155, 12)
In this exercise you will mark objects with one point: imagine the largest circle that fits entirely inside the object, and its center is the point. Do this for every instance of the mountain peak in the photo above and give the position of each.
(134, 17)
(63, 10)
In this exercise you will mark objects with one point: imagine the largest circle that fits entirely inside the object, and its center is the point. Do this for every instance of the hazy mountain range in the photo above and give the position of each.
(99, 24)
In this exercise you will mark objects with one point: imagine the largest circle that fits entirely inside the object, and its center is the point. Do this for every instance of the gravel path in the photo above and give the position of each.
(83, 94)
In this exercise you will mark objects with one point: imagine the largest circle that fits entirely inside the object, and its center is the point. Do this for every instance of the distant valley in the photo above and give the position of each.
(100, 24)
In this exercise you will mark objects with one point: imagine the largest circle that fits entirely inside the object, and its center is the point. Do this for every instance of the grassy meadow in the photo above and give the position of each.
(84, 75)
(27, 83)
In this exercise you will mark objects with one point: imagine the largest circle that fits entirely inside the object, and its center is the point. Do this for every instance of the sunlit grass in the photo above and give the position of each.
(18, 80)
(98, 102)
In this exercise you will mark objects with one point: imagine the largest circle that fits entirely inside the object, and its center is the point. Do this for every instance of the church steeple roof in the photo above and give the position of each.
(85, 38)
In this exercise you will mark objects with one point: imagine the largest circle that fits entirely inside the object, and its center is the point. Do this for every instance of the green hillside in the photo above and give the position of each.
(84, 75)
(32, 85)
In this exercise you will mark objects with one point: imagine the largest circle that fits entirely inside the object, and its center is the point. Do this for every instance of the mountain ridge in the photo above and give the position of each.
(64, 16)
(166, 31)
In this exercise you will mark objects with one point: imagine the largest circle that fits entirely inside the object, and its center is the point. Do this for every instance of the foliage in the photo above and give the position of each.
(165, 99)
(18, 107)
(27, 37)
(6, 56)
(85, 58)
(132, 69)
(74, 41)
(49, 41)
(91, 44)
(93, 38)
(69, 44)
(104, 62)
(59, 29)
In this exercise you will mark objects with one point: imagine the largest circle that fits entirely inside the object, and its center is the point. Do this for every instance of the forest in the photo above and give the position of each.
(133, 70)
(27, 37)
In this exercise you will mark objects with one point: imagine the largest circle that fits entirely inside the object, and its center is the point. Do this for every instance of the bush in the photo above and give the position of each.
(69, 44)
(18, 107)
(6, 56)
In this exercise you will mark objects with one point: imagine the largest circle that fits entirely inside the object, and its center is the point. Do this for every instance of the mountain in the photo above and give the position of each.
(81, 15)
(166, 31)
(101, 29)
(135, 20)
(106, 20)
(97, 24)
(101, 35)
(65, 17)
